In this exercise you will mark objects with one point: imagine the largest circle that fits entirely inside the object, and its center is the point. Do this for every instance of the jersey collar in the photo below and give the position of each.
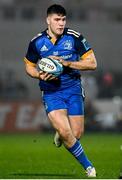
(52, 39)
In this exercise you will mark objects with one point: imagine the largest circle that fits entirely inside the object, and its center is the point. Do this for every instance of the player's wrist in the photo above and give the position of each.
(38, 75)
(69, 63)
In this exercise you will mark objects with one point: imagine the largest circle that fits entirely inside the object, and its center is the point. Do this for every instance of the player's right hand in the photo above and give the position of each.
(46, 76)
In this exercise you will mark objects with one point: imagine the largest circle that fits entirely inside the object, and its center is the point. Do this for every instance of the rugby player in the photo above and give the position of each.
(63, 97)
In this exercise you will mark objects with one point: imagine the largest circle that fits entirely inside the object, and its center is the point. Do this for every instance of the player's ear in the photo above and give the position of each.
(48, 20)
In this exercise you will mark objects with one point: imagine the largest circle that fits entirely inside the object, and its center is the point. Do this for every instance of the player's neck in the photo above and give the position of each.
(52, 35)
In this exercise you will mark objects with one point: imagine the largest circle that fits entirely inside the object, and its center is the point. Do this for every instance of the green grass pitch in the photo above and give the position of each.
(33, 156)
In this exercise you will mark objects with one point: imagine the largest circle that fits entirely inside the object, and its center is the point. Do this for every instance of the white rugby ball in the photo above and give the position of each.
(51, 66)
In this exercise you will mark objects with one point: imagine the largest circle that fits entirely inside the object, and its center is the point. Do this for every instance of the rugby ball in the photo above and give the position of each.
(51, 66)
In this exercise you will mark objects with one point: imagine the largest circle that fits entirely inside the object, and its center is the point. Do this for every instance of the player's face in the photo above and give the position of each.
(56, 24)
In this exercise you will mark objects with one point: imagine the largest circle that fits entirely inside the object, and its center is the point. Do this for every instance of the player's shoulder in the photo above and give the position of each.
(73, 33)
(40, 36)
(37, 37)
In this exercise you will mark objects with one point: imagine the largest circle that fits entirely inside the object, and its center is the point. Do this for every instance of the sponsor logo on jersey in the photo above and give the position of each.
(68, 45)
(66, 56)
(86, 44)
(55, 53)
(44, 48)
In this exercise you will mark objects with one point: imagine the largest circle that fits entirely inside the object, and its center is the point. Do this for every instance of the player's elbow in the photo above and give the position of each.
(29, 70)
(93, 61)
(93, 65)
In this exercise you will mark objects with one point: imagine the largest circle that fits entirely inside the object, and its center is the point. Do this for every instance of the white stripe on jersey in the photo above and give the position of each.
(36, 36)
(73, 34)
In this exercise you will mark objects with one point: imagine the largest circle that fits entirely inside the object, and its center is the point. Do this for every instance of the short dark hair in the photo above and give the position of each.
(56, 9)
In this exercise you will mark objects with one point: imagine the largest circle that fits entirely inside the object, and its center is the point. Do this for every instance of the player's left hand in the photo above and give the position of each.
(46, 77)
(62, 61)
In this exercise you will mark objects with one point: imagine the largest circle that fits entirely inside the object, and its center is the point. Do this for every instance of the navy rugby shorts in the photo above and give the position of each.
(71, 99)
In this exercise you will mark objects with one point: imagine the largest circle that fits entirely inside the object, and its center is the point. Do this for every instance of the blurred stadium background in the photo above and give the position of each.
(100, 21)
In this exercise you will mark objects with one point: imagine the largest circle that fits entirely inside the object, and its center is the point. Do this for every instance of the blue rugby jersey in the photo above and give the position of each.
(70, 46)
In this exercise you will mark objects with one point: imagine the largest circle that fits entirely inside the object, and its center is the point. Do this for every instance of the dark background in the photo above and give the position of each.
(100, 21)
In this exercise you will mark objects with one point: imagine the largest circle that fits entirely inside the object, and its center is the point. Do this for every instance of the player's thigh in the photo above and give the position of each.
(77, 125)
(75, 104)
(54, 101)
(59, 120)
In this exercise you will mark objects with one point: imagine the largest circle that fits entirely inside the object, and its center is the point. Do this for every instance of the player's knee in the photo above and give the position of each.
(65, 133)
(78, 133)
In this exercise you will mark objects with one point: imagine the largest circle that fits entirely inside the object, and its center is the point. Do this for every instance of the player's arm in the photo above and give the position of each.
(87, 59)
(31, 60)
(32, 71)
(86, 62)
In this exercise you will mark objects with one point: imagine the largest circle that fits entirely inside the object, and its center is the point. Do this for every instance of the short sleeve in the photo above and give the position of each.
(32, 54)
(82, 46)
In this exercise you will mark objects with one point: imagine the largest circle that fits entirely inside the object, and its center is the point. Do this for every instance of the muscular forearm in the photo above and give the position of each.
(83, 65)
(32, 71)
(86, 63)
